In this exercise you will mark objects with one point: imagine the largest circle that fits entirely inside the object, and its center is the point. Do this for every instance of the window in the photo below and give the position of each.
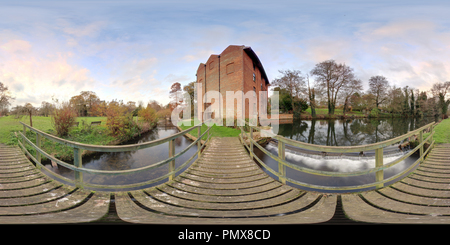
(254, 77)
(211, 65)
(254, 90)
(261, 87)
(230, 68)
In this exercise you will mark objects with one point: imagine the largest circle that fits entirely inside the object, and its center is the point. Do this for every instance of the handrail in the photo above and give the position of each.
(79, 169)
(378, 147)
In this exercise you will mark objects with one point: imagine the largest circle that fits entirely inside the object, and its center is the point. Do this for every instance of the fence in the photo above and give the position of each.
(78, 168)
(378, 169)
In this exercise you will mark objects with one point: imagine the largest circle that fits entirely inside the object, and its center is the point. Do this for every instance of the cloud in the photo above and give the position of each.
(16, 47)
(34, 78)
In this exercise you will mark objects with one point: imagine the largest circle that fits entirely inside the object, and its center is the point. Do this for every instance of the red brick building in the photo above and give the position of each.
(237, 68)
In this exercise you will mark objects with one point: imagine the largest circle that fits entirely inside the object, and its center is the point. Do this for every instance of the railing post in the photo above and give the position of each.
(24, 135)
(431, 131)
(379, 175)
(38, 154)
(171, 154)
(282, 156)
(199, 142)
(77, 161)
(251, 143)
(420, 142)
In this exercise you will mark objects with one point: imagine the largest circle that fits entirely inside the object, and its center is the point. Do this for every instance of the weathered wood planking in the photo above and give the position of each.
(27, 196)
(224, 186)
(422, 197)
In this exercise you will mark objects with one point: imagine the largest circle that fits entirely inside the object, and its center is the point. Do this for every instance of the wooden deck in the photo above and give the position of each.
(223, 187)
(422, 197)
(27, 196)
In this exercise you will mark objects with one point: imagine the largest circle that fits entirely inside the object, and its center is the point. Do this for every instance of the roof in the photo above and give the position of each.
(258, 63)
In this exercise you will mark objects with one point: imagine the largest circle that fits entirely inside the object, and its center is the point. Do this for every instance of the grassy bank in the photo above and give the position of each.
(322, 113)
(442, 132)
(95, 135)
(216, 131)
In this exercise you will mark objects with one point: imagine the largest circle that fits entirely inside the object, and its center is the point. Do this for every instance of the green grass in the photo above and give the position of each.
(98, 135)
(9, 124)
(216, 131)
(324, 111)
(442, 132)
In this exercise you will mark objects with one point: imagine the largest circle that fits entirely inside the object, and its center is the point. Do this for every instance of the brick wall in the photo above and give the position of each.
(233, 70)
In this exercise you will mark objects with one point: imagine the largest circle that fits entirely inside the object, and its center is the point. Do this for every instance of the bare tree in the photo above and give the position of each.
(175, 95)
(5, 97)
(27, 110)
(293, 82)
(333, 77)
(379, 86)
(441, 91)
(354, 86)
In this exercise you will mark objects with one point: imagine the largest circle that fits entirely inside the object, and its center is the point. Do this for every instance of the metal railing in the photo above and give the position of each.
(378, 169)
(78, 168)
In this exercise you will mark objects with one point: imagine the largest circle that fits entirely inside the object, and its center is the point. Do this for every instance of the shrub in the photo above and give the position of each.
(374, 112)
(117, 119)
(63, 118)
(148, 115)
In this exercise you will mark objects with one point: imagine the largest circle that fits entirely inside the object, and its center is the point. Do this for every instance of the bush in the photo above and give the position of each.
(63, 118)
(148, 115)
(374, 112)
(117, 119)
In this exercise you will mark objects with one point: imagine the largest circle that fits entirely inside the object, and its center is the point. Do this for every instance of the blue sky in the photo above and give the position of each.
(134, 50)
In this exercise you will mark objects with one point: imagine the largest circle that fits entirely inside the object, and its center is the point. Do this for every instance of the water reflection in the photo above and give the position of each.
(133, 159)
(348, 132)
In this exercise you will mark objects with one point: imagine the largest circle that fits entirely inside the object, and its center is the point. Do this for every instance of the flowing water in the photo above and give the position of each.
(134, 159)
(321, 132)
(342, 133)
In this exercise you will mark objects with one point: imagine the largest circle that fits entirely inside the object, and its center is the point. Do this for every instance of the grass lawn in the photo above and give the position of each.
(97, 136)
(324, 111)
(442, 132)
(216, 131)
(9, 124)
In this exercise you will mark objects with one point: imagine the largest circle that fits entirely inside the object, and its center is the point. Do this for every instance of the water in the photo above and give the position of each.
(133, 159)
(321, 132)
(342, 133)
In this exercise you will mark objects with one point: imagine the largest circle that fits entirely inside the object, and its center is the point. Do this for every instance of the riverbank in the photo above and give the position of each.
(442, 132)
(83, 133)
(322, 113)
(222, 131)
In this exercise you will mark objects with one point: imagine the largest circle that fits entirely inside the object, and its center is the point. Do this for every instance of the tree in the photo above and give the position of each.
(293, 83)
(5, 97)
(28, 109)
(46, 108)
(175, 95)
(85, 103)
(333, 77)
(312, 96)
(354, 86)
(394, 100)
(440, 91)
(378, 86)
(190, 89)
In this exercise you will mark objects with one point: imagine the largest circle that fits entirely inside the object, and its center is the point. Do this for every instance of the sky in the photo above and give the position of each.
(134, 50)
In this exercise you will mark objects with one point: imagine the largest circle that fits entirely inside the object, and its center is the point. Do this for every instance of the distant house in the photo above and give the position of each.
(237, 68)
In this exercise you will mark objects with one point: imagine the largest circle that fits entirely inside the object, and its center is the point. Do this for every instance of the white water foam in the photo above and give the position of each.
(339, 163)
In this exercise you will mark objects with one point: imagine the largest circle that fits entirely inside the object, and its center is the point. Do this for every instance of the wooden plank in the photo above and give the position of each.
(92, 210)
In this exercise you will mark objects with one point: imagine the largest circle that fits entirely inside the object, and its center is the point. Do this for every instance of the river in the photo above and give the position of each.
(348, 132)
(133, 159)
(321, 132)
